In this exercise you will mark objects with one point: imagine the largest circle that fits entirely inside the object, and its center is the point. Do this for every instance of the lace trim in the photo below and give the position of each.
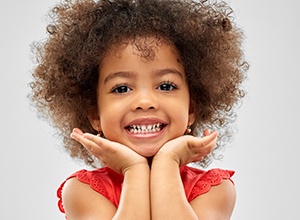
(99, 180)
(94, 181)
(210, 178)
(59, 193)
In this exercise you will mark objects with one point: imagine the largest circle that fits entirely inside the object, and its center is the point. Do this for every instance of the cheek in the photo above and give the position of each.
(108, 118)
(179, 109)
(104, 115)
(180, 118)
(111, 117)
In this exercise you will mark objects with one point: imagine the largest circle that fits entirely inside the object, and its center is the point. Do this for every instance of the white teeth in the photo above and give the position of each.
(145, 129)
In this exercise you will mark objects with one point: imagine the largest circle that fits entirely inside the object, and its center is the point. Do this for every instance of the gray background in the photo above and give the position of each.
(264, 153)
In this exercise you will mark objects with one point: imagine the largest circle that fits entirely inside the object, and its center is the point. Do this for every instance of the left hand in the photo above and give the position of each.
(187, 148)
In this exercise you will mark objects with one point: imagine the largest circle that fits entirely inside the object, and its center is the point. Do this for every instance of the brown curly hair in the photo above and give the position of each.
(64, 86)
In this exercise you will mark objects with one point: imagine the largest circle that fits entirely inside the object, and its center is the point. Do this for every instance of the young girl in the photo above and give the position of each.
(137, 83)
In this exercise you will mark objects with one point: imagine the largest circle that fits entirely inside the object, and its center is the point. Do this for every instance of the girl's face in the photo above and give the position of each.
(143, 103)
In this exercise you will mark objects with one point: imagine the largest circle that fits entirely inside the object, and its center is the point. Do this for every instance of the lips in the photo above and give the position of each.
(145, 125)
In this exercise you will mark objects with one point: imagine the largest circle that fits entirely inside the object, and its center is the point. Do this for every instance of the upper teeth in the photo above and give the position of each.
(141, 129)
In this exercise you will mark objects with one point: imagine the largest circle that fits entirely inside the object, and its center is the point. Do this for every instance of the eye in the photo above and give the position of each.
(167, 86)
(120, 89)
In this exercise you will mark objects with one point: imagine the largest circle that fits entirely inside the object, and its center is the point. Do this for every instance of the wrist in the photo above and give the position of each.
(166, 158)
(136, 168)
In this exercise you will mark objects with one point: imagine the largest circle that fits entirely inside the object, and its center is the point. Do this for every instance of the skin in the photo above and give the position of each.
(144, 94)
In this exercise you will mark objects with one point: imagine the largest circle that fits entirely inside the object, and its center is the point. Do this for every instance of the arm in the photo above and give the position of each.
(168, 200)
(81, 202)
(135, 196)
(217, 204)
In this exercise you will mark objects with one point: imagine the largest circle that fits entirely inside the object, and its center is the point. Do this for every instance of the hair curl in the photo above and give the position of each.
(81, 32)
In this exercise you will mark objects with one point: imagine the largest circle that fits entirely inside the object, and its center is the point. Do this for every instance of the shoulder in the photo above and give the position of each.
(218, 203)
(80, 201)
(83, 189)
(211, 193)
(197, 182)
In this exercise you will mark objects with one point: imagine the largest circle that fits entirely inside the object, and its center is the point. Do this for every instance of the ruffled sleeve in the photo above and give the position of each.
(104, 181)
(197, 182)
(109, 183)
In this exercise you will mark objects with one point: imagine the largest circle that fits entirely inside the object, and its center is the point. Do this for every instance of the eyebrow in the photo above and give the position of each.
(157, 73)
(166, 71)
(123, 74)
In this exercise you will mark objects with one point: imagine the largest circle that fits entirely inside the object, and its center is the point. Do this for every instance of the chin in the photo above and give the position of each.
(147, 152)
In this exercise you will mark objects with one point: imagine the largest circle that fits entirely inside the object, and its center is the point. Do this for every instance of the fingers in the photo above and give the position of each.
(100, 143)
(203, 145)
(76, 131)
(95, 144)
(87, 140)
(189, 148)
(209, 138)
(206, 132)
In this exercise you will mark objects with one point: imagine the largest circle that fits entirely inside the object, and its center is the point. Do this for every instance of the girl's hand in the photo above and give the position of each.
(112, 154)
(186, 149)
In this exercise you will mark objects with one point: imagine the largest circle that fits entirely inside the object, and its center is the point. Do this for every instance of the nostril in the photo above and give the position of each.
(144, 108)
(145, 102)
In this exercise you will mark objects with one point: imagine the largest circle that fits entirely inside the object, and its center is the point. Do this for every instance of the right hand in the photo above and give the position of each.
(116, 156)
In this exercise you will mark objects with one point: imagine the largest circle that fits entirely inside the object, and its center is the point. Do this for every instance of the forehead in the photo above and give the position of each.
(145, 47)
(145, 55)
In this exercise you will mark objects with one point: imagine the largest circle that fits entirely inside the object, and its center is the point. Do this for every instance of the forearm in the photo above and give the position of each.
(135, 196)
(168, 200)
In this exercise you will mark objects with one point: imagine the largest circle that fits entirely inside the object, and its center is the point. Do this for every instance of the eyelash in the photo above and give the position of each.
(119, 86)
(171, 86)
(169, 83)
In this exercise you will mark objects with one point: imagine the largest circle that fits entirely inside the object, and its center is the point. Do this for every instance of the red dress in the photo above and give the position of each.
(109, 183)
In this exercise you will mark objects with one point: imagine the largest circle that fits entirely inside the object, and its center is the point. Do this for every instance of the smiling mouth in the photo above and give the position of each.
(145, 129)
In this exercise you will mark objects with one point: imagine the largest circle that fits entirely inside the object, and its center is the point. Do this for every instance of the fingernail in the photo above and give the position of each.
(72, 135)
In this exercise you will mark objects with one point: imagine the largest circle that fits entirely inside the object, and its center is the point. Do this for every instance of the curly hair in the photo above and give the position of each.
(64, 86)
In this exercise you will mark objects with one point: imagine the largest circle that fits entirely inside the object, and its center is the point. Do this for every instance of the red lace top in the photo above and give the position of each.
(109, 183)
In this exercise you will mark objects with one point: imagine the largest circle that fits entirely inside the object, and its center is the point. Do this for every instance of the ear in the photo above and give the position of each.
(94, 120)
(192, 113)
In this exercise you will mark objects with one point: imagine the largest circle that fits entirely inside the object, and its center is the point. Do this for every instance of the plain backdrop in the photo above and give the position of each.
(264, 153)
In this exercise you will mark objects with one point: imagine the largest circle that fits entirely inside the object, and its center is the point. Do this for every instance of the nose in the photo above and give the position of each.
(145, 100)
